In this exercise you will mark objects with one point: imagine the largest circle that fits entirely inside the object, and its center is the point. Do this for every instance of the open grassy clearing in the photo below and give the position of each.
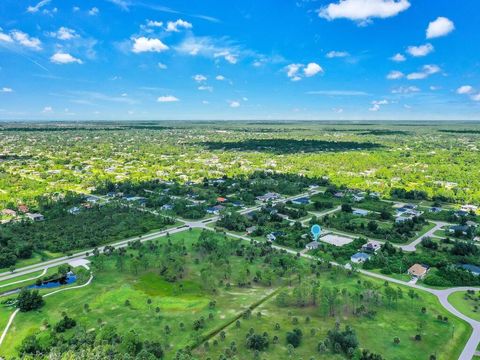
(467, 304)
(3, 283)
(403, 320)
(181, 302)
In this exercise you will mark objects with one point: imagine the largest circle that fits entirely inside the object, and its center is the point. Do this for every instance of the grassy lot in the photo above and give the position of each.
(377, 334)
(186, 300)
(183, 301)
(465, 303)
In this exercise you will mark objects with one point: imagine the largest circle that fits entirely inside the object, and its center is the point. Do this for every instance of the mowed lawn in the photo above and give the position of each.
(466, 304)
(445, 340)
(181, 302)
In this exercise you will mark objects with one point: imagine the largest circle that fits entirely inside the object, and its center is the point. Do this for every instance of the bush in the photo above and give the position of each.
(294, 337)
(29, 300)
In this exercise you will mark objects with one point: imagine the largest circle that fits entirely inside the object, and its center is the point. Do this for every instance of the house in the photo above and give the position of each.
(359, 258)
(237, 204)
(35, 216)
(358, 197)
(312, 245)
(469, 208)
(339, 194)
(221, 200)
(475, 270)
(74, 210)
(374, 195)
(215, 210)
(270, 196)
(401, 219)
(360, 212)
(410, 206)
(9, 212)
(271, 237)
(418, 271)
(301, 201)
(471, 224)
(461, 213)
(91, 199)
(435, 209)
(251, 229)
(23, 208)
(166, 207)
(458, 229)
(372, 246)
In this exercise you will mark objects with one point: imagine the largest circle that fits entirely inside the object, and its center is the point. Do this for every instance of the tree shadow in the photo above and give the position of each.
(289, 146)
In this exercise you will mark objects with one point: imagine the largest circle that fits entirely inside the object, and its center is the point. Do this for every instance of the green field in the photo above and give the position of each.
(467, 304)
(155, 302)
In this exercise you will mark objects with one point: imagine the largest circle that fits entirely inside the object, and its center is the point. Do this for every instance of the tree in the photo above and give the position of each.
(257, 342)
(29, 300)
(294, 337)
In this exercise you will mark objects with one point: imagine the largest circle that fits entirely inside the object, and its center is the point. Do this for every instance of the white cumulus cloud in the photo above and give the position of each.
(220, 77)
(162, 66)
(362, 11)
(26, 40)
(234, 104)
(398, 58)
(199, 78)
(64, 33)
(167, 98)
(395, 75)
(312, 69)
(376, 105)
(439, 27)
(6, 90)
(143, 44)
(425, 72)
(405, 90)
(465, 89)
(175, 25)
(64, 58)
(421, 50)
(337, 54)
(93, 11)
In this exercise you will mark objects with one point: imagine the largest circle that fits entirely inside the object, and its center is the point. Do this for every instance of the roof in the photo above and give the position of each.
(417, 270)
(313, 244)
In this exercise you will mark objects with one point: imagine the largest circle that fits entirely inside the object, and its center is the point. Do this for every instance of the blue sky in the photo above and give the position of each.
(269, 59)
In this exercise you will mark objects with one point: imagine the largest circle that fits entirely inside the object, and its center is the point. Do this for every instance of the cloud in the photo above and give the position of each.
(426, 71)
(475, 97)
(376, 105)
(167, 98)
(220, 77)
(47, 109)
(26, 40)
(439, 27)
(162, 66)
(337, 54)
(398, 58)
(338, 93)
(405, 90)
(212, 48)
(422, 50)
(465, 89)
(175, 25)
(64, 33)
(395, 75)
(34, 9)
(362, 11)
(234, 104)
(143, 44)
(205, 88)
(294, 74)
(312, 69)
(199, 78)
(64, 58)
(120, 3)
(153, 23)
(292, 71)
(93, 11)
(6, 90)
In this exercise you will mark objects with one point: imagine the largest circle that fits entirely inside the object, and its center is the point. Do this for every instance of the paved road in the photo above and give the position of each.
(413, 245)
